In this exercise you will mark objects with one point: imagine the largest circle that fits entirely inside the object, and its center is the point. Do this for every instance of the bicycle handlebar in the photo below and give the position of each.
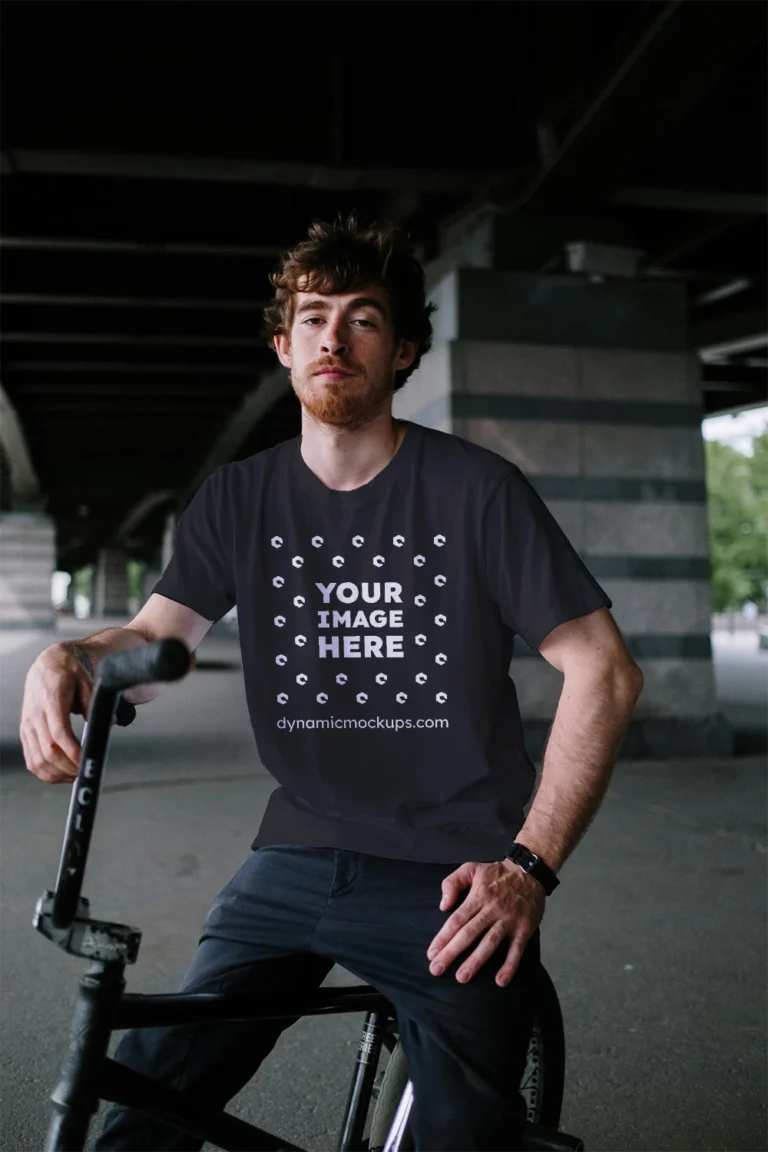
(155, 662)
(162, 660)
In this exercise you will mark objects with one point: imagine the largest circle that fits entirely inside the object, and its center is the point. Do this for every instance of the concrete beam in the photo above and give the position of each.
(25, 484)
(328, 177)
(131, 302)
(100, 338)
(122, 367)
(253, 408)
(137, 248)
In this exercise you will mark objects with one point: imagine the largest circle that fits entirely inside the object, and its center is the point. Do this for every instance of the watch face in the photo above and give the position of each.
(525, 856)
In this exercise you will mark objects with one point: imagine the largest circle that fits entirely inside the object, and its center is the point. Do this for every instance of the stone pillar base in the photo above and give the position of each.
(110, 584)
(27, 563)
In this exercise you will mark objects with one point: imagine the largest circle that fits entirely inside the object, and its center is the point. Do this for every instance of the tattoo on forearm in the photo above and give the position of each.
(83, 658)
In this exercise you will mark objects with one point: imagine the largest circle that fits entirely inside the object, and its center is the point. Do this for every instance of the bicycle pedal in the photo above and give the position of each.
(90, 939)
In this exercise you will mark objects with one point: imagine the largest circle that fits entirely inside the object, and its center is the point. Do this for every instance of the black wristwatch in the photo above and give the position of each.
(534, 864)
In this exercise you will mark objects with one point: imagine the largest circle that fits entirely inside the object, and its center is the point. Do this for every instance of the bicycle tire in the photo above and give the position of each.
(542, 1083)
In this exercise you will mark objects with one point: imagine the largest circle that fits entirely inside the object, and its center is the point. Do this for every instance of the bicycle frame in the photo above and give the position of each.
(102, 1007)
(88, 1074)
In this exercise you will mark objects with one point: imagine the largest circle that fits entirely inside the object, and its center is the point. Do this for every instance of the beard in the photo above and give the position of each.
(351, 403)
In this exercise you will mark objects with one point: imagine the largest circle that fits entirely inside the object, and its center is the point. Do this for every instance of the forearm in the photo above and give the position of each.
(91, 650)
(592, 717)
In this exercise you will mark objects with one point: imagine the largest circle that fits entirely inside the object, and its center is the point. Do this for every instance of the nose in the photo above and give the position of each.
(333, 341)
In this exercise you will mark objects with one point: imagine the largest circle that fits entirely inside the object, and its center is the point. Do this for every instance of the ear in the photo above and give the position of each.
(406, 354)
(283, 349)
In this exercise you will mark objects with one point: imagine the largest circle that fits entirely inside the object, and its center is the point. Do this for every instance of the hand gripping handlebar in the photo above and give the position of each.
(159, 661)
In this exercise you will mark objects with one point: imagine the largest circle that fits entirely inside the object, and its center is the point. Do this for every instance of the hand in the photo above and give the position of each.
(56, 686)
(504, 901)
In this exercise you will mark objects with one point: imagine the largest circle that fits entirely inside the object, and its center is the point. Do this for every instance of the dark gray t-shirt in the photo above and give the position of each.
(376, 629)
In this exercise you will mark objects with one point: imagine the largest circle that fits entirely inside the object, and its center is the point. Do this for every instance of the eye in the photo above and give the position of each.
(368, 322)
(310, 319)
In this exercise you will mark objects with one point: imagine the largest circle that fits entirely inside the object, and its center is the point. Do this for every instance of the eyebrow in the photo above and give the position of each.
(358, 302)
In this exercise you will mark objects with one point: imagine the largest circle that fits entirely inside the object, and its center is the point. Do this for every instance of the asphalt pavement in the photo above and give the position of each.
(656, 937)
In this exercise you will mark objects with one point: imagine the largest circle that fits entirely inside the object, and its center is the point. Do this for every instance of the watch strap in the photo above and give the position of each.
(532, 863)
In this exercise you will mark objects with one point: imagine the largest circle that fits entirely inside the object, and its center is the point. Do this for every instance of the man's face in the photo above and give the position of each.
(343, 355)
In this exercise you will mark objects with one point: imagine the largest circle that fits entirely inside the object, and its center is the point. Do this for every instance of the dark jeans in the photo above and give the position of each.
(284, 919)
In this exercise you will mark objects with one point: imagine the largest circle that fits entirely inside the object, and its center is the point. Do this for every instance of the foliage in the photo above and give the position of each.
(136, 570)
(737, 487)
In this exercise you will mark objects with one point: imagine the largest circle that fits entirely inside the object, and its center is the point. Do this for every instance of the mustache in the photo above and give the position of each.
(333, 368)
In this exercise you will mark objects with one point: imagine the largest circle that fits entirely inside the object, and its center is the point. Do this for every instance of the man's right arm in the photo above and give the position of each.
(60, 683)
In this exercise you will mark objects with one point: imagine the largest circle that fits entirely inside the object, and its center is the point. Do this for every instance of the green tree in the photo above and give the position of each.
(737, 488)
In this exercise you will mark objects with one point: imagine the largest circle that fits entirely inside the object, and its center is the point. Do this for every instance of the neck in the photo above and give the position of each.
(344, 459)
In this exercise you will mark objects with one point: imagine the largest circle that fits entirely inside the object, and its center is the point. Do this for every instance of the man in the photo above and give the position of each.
(380, 571)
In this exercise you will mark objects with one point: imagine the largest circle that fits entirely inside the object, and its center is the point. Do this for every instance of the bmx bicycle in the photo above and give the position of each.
(88, 1075)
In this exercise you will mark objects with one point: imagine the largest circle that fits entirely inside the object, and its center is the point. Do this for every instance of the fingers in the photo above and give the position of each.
(52, 691)
(489, 944)
(455, 882)
(491, 911)
(55, 761)
(514, 956)
(59, 727)
(455, 937)
(485, 949)
(37, 762)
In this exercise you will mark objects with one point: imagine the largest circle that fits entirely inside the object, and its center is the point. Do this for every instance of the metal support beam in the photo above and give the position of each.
(734, 347)
(338, 178)
(141, 510)
(253, 408)
(735, 378)
(25, 484)
(651, 94)
(723, 291)
(729, 334)
(691, 239)
(678, 200)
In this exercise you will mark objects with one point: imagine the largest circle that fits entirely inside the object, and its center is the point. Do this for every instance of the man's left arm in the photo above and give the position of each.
(601, 685)
(600, 689)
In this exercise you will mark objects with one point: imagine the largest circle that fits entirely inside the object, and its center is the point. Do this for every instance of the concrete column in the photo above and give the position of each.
(110, 584)
(27, 563)
(589, 388)
(6, 489)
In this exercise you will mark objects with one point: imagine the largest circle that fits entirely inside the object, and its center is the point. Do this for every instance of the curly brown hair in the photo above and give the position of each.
(343, 256)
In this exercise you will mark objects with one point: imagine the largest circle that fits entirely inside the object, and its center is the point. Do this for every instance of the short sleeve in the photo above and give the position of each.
(535, 574)
(200, 573)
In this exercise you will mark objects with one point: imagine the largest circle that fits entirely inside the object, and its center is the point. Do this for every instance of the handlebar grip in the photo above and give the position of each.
(160, 660)
(126, 713)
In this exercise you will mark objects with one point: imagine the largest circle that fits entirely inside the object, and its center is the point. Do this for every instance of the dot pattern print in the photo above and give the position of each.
(334, 618)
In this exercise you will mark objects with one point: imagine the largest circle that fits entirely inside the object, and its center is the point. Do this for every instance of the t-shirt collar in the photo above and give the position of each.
(355, 497)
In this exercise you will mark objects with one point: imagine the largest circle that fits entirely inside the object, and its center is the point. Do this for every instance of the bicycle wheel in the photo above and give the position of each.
(541, 1084)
